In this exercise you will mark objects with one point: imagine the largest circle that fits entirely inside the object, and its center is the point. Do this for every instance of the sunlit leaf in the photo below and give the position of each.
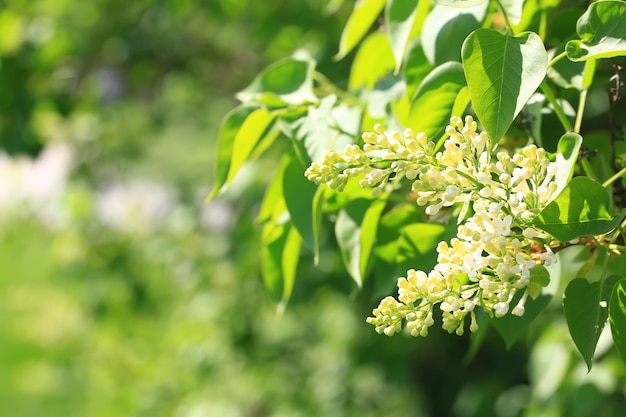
(602, 31)
(390, 227)
(417, 245)
(258, 126)
(447, 28)
(399, 15)
(513, 10)
(288, 81)
(372, 61)
(511, 327)
(273, 201)
(363, 15)
(567, 154)
(433, 102)
(586, 312)
(581, 209)
(617, 317)
(460, 3)
(502, 72)
(228, 131)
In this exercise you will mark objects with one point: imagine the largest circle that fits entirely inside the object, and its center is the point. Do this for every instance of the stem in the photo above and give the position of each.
(581, 110)
(614, 178)
(545, 88)
(588, 73)
(557, 58)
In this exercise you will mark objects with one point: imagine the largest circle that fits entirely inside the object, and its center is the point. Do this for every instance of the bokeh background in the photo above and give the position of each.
(124, 293)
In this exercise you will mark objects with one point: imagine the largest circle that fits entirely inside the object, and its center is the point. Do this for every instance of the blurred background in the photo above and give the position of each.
(123, 293)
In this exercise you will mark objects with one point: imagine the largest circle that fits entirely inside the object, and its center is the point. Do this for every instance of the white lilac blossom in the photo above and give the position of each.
(491, 258)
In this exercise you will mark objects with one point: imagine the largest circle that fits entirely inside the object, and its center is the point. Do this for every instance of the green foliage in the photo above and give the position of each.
(502, 73)
(586, 310)
(582, 209)
(520, 68)
(425, 65)
(602, 32)
(436, 96)
(617, 314)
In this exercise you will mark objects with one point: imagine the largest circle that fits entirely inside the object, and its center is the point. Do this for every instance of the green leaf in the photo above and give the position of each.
(602, 31)
(299, 194)
(511, 327)
(317, 214)
(273, 203)
(433, 102)
(539, 278)
(617, 317)
(259, 126)
(502, 72)
(586, 312)
(226, 138)
(280, 253)
(417, 67)
(447, 28)
(288, 81)
(417, 245)
(567, 153)
(399, 16)
(581, 209)
(390, 227)
(355, 230)
(369, 232)
(363, 15)
(372, 61)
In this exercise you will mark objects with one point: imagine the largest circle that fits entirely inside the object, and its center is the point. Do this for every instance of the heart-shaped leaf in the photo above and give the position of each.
(586, 311)
(617, 317)
(602, 31)
(502, 72)
(581, 209)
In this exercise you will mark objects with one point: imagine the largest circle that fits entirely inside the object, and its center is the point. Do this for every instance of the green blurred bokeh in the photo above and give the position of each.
(123, 293)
